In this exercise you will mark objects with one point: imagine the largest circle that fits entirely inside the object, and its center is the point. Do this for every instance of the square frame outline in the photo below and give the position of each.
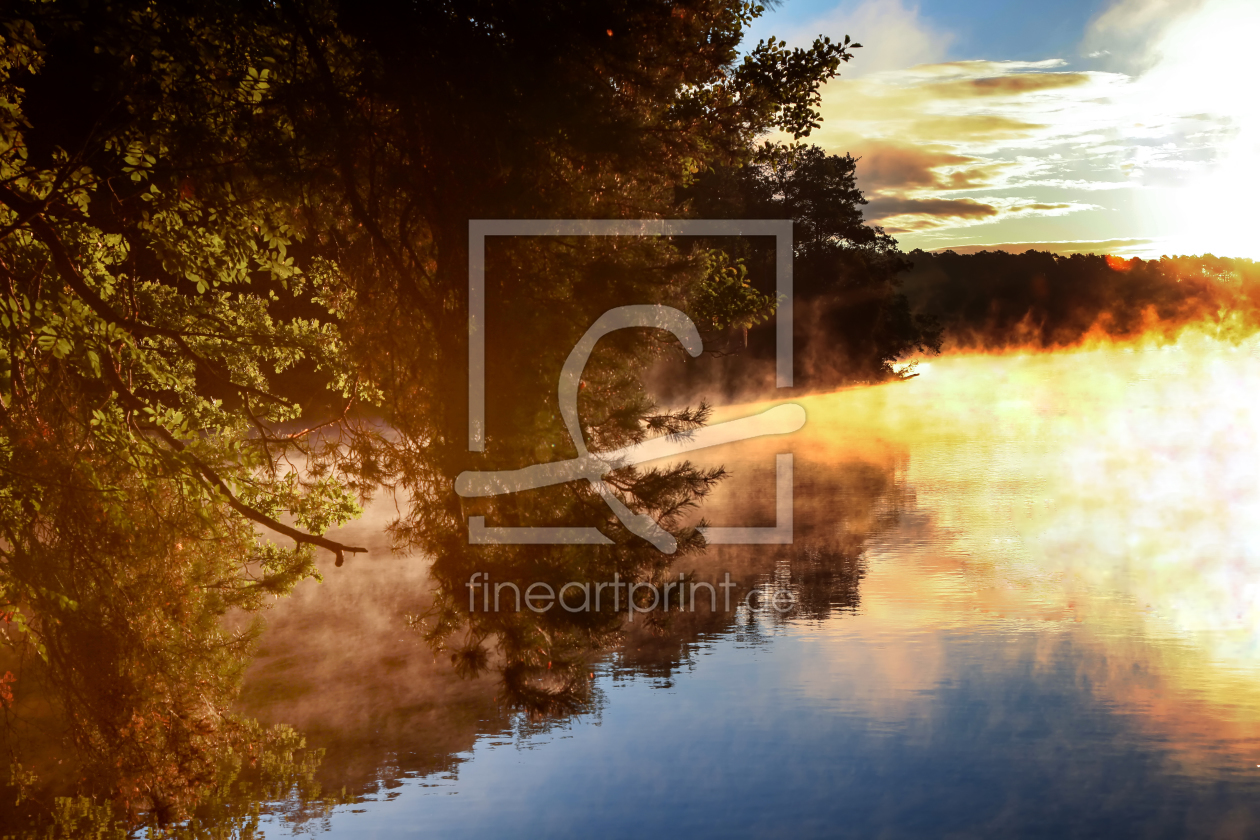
(479, 229)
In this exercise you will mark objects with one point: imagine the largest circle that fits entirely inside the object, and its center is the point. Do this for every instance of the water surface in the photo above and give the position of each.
(1025, 606)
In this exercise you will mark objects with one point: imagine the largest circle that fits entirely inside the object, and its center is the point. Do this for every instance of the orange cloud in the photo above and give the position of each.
(974, 128)
(942, 208)
(1005, 85)
(901, 214)
(1067, 247)
(898, 167)
(1040, 206)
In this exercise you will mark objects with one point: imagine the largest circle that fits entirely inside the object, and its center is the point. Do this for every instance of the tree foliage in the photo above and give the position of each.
(852, 320)
(994, 300)
(233, 255)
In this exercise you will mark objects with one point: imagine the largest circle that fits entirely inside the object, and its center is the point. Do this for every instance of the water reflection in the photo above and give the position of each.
(1021, 602)
(341, 664)
(141, 685)
(118, 672)
(1018, 584)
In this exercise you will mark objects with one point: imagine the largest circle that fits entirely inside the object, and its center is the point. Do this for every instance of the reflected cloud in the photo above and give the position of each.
(1096, 508)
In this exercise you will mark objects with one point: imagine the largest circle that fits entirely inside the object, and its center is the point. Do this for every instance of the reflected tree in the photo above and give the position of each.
(558, 110)
(117, 589)
(840, 508)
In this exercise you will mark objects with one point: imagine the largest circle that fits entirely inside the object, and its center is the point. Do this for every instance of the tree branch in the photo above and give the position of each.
(215, 480)
(340, 121)
(44, 231)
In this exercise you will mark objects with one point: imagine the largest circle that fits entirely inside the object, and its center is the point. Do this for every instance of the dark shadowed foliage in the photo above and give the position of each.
(852, 320)
(233, 273)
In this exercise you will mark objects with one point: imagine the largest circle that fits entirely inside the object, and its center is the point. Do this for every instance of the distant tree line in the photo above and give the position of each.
(993, 300)
(863, 308)
(852, 320)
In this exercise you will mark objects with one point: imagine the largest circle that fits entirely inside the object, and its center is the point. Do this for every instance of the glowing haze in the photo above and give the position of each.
(1105, 497)
(1122, 127)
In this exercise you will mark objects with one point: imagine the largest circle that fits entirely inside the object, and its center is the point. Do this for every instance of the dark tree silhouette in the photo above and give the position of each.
(233, 250)
(852, 321)
(993, 300)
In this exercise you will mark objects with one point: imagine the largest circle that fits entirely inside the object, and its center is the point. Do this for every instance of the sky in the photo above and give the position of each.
(1129, 127)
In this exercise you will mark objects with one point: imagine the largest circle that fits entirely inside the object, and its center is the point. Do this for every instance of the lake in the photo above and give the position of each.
(1022, 602)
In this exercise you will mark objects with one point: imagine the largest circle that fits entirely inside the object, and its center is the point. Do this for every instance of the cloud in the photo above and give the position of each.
(1025, 139)
(931, 138)
(972, 107)
(978, 68)
(1202, 68)
(973, 128)
(898, 167)
(1128, 35)
(907, 215)
(1153, 121)
(893, 36)
(1140, 15)
(1076, 185)
(1005, 85)
(1042, 206)
(937, 208)
(1082, 246)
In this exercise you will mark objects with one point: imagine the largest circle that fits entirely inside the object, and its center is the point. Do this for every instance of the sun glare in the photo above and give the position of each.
(1205, 70)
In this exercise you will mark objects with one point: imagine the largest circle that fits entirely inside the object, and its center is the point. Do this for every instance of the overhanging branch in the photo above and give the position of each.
(212, 477)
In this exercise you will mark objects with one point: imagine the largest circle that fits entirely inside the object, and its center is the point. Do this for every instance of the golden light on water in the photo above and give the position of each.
(1111, 493)
(1116, 473)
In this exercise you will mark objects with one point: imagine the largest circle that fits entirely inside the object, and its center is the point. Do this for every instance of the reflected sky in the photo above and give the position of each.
(1047, 628)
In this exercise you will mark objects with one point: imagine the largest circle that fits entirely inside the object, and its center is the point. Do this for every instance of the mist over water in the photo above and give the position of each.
(1024, 606)
(986, 302)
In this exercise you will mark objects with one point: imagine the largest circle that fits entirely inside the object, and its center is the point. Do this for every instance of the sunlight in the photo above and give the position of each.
(1214, 210)
(1110, 491)
(1115, 477)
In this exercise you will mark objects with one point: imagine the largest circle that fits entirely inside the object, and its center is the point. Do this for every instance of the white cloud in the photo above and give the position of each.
(893, 36)
(1205, 66)
(1125, 31)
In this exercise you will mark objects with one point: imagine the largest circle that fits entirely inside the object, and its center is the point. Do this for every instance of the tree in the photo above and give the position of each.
(151, 314)
(993, 300)
(435, 114)
(853, 322)
(243, 251)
